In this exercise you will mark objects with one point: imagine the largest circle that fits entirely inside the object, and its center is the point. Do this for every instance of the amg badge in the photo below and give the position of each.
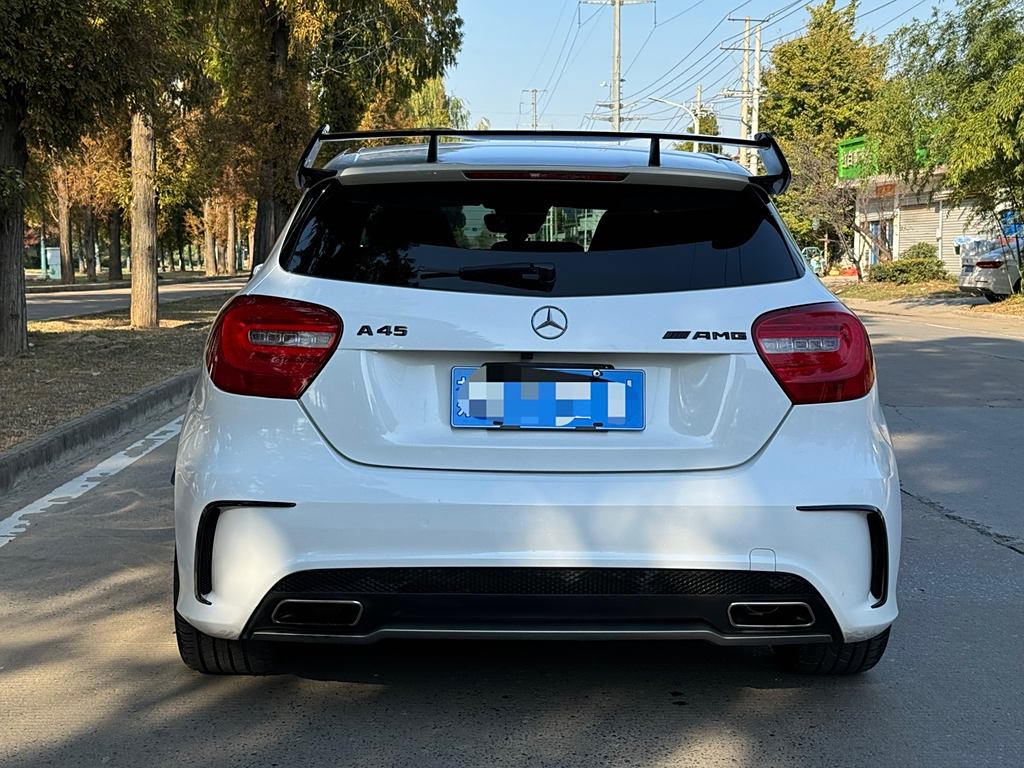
(706, 335)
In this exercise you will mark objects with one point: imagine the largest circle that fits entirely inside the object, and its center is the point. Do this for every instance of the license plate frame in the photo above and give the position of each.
(555, 397)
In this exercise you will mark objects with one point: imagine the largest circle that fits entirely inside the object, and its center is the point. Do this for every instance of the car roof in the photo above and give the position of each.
(590, 154)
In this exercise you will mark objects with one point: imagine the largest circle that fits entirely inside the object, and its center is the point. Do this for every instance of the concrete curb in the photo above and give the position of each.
(104, 286)
(102, 423)
(1006, 325)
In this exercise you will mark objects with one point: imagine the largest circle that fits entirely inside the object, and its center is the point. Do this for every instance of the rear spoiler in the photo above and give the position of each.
(775, 181)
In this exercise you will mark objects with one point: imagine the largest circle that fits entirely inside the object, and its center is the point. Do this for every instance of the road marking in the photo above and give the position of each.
(11, 526)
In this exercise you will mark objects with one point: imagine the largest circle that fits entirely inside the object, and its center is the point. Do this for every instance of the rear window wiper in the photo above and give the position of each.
(537, 277)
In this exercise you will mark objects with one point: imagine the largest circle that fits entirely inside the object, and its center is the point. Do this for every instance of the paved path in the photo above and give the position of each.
(89, 674)
(48, 306)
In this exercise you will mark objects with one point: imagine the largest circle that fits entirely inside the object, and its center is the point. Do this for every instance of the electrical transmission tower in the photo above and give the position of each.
(615, 104)
(534, 93)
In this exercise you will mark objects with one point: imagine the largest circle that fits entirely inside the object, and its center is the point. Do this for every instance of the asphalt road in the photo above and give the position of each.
(89, 674)
(49, 306)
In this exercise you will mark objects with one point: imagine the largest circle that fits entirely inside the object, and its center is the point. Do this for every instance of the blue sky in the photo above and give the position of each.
(668, 47)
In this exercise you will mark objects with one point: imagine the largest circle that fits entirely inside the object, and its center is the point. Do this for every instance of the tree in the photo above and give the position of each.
(145, 309)
(955, 105)
(63, 64)
(430, 106)
(817, 88)
(295, 63)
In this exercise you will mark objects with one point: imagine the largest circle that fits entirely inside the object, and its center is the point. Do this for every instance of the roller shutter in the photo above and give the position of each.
(919, 224)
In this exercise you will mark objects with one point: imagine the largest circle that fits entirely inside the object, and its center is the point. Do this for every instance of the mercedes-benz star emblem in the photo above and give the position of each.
(549, 322)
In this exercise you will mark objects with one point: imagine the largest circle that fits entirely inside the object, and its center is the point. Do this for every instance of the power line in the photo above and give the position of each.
(561, 49)
(654, 29)
(897, 16)
(568, 58)
(551, 37)
(647, 90)
(781, 13)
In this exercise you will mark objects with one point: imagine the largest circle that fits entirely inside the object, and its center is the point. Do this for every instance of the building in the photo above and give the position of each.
(892, 215)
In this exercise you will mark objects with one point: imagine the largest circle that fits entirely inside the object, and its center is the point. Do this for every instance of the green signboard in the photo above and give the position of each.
(856, 158)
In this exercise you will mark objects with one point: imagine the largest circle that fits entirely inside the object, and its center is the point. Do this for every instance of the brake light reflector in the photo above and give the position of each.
(819, 353)
(988, 264)
(546, 175)
(270, 347)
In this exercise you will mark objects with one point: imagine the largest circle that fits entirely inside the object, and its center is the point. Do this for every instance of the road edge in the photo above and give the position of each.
(106, 285)
(105, 422)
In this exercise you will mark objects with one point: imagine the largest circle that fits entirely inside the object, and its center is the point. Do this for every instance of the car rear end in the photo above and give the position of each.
(539, 392)
(992, 273)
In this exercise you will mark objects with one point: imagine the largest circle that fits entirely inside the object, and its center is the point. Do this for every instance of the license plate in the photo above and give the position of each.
(511, 396)
(968, 268)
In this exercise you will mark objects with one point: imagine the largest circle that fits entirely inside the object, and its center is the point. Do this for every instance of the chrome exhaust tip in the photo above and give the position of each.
(770, 615)
(317, 613)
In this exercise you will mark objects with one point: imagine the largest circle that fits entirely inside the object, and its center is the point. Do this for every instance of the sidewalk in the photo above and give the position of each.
(953, 313)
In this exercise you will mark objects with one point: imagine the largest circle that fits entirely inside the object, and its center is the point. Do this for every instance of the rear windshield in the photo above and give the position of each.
(538, 238)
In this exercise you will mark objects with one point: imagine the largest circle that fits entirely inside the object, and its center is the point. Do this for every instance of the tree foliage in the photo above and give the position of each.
(819, 84)
(817, 89)
(233, 89)
(957, 94)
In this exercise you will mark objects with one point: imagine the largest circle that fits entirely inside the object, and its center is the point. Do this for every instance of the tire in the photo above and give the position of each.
(833, 658)
(995, 298)
(215, 656)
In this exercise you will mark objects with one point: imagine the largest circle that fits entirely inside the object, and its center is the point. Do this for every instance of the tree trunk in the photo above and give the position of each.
(13, 158)
(114, 228)
(145, 307)
(230, 249)
(252, 245)
(67, 256)
(270, 213)
(209, 241)
(89, 242)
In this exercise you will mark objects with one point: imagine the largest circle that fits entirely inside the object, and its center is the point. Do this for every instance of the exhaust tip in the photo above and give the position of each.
(317, 613)
(769, 615)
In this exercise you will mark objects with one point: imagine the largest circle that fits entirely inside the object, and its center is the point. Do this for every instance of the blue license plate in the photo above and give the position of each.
(513, 396)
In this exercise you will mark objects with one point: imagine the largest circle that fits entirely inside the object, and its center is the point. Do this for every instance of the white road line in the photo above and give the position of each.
(73, 489)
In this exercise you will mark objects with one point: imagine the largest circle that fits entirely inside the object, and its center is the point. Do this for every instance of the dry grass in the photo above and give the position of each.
(932, 289)
(1012, 306)
(78, 364)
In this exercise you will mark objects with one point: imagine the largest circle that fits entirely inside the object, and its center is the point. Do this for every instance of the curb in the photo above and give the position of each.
(105, 285)
(97, 425)
(1008, 325)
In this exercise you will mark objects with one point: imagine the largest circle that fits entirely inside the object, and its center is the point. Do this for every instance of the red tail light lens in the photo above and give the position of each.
(270, 347)
(819, 353)
(989, 264)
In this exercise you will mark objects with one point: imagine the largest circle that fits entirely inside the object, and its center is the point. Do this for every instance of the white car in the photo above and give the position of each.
(537, 386)
(993, 273)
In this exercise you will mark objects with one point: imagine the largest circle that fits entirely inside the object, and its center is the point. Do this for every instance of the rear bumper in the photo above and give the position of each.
(365, 605)
(798, 507)
(982, 281)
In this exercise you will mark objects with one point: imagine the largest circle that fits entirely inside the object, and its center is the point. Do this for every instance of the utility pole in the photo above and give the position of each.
(616, 95)
(750, 91)
(745, 98)
(755, 93)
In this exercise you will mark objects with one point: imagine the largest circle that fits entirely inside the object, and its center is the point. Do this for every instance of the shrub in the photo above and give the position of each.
(907, 270)
(921, 251)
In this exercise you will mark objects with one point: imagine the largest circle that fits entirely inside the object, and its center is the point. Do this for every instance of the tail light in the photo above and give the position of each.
(270, 347)
(819, 353)
(988, 264)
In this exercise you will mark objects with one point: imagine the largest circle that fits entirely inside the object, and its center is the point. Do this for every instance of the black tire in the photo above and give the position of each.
(833, 658)
(995, 298)
(214, 656)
